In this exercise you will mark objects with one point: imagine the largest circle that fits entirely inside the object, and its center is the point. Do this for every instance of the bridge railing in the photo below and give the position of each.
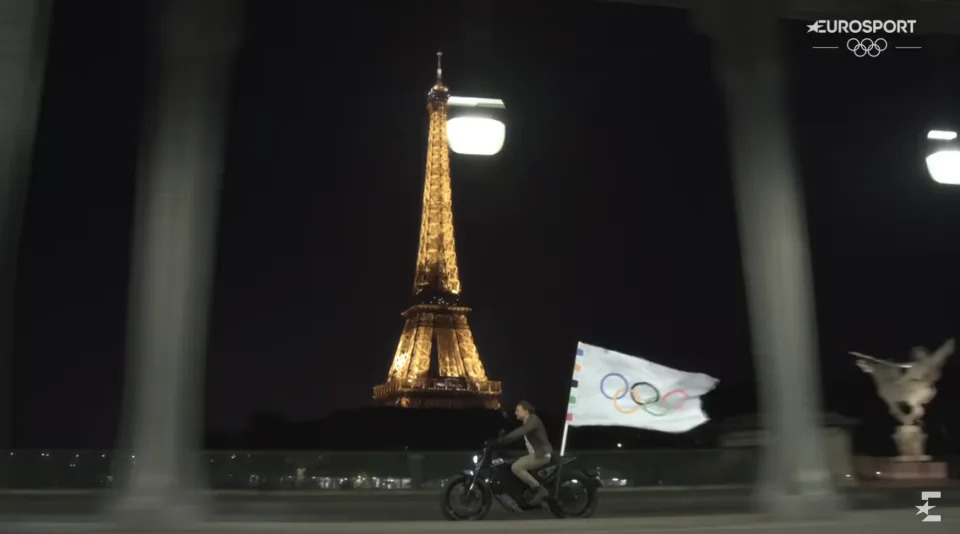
(324, 470)
(328, 470)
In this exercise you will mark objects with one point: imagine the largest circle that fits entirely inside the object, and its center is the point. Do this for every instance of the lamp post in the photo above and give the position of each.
(795, 480)
(181, 163)
(943, 156)
(474, 125)
(941, 146)
(23, 54)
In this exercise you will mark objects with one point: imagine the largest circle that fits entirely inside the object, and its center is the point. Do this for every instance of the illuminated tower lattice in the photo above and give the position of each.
(436, 323)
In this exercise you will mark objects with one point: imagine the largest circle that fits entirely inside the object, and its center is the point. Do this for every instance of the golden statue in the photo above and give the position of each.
(436, 320)
(907, 388)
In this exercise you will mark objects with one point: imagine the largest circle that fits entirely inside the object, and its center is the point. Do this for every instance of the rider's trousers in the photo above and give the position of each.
(522, 467)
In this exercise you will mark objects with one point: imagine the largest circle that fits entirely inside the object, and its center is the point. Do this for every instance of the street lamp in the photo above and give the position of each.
(474, 126)
(943, 156)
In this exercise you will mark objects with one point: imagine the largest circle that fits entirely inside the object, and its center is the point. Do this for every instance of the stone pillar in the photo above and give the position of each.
(23, 55)
(794, 474)
(176, 216)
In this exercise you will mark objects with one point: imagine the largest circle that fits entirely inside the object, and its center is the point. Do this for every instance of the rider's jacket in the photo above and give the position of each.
(535, 434)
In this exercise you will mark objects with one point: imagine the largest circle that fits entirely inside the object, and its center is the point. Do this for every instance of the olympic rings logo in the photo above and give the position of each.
(866, 47)
(644, 395)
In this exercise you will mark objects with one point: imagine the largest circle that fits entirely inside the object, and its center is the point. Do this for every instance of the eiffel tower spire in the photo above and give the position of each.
(439, 68)
(437, 276)
(436, 316)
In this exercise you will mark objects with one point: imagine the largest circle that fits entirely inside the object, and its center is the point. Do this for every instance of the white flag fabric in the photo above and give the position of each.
(614, 389)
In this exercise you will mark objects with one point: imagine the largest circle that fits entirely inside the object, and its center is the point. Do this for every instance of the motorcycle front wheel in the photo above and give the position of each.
(459, 503)
(575, 498)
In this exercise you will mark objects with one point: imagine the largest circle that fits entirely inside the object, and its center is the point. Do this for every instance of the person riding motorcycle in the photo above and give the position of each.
(539, 450)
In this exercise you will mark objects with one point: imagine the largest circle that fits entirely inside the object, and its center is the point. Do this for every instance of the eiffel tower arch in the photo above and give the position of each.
(437, 323)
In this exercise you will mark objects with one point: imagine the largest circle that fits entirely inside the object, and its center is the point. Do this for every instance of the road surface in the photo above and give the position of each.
(345, 506)
(874, 522)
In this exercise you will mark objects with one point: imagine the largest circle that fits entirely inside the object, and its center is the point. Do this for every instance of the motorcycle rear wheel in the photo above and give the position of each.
(574, 486)
(454, 495)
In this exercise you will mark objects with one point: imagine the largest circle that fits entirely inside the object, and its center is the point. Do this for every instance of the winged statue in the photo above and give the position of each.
(907, 387)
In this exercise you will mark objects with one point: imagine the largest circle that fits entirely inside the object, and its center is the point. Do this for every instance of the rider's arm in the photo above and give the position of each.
(533, 422)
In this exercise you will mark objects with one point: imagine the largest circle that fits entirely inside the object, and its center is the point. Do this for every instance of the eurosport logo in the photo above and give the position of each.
(862, 26)
(878, 35)
(926, 496)
(645, 396)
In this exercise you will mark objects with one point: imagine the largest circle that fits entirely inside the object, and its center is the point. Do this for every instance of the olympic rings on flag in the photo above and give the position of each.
(645, 396)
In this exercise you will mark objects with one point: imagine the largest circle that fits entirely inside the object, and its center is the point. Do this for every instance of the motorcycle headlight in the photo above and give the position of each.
(476, 459)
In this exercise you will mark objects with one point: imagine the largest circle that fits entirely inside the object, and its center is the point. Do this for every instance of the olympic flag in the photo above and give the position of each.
(614, 389)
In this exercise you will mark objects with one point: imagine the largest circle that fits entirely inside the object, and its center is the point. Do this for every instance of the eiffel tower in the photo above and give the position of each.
(437, 323)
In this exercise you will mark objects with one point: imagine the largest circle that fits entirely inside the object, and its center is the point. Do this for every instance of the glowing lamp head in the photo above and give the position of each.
(474, 126)
(476, 136)
(944, 166)
(943, 157)
(942, 135)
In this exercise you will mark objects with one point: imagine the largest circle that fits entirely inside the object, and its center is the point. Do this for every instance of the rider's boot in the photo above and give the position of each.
(538, 495)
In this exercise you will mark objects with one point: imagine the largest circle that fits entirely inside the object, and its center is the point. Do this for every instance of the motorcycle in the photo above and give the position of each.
(469, 496)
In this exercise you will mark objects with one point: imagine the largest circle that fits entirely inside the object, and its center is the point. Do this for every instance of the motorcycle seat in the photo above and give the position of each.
(555, 459)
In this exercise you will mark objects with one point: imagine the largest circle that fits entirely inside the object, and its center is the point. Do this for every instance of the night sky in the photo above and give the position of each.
(608, 218)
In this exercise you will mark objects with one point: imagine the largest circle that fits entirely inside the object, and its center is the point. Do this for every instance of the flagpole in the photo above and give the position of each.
(563, 440)
(563, 449)
(567, 419)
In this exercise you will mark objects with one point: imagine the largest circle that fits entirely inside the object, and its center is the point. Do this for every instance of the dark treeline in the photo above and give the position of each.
(401, 429)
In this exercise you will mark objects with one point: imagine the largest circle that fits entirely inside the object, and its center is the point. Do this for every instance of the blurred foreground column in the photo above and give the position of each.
(795, 480)
(176, 216)
(23, 54)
